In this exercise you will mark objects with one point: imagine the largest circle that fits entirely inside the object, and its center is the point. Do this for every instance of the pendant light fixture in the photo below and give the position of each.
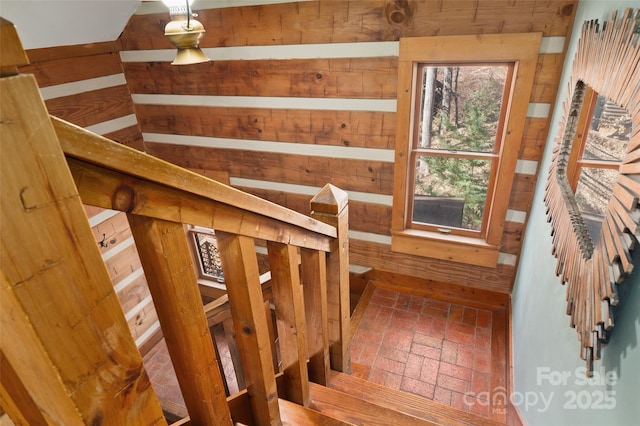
(185, 33)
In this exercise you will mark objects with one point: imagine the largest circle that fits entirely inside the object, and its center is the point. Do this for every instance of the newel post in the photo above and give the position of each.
(330, 206)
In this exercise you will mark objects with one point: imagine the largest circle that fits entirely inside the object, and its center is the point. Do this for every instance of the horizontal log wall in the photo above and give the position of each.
(86, 86)
(303, 94)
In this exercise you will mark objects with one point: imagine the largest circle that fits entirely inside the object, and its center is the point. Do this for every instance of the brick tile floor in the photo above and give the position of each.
(427, 347)
(433, 349)
(157, 362)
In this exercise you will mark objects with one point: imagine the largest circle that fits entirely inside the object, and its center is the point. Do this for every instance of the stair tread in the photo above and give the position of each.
(406, 403)
(358, 411)
(297, 415)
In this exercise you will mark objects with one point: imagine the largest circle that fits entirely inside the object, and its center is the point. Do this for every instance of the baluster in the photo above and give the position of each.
(164, 253)
(242, 278)
(314, 284)
(330, 206)
(290, 319)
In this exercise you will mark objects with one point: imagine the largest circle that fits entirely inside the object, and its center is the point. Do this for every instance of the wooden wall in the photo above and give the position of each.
(85, 85)
(284, 127)
(303, 94)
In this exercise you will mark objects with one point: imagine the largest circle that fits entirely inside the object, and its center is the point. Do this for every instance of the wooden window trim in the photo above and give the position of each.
(522, 51)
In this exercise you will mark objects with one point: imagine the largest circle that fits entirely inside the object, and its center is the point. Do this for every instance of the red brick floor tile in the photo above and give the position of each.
(428, 347)
(429, 371)
(455, 313)
(479, 382)
(367, 355)
(383, 298)
(437, 304)
(426, 351)
(377, 375)
(413, 366)
(481, 361)
(389, 365)
(449, 352)
(469, 316)
(424, 323)
(484, 319)
(434, 312)
(455, 371)
(438, 328)
(442, 395)
(416, 304)
(403, 322)
(398, 339)
(417, 387)
(393, 381)
(368, 336)
(403, 301)
(425, 339)
(453, 383)
(393, 354)
(384, 314)
(465, 356)
(459, 401)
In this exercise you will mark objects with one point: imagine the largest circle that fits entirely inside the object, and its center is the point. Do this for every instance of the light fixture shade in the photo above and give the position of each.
(185, 33)
(192, 55)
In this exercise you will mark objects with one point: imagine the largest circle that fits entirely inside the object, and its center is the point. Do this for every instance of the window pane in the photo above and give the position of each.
(460, 108)
(594, 189)
(608, 133)
(451, 191)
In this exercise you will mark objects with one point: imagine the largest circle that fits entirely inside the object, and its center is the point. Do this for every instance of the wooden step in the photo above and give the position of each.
(296, 415)
(380, 402)
(357, 411)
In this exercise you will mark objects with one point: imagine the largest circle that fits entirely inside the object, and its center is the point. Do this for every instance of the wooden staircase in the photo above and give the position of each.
(67, 355)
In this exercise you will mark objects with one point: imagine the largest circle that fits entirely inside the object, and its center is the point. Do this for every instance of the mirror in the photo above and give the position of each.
(593, 264)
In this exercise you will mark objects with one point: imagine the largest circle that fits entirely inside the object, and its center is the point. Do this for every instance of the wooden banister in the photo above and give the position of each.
(59, 303)
(70, 354)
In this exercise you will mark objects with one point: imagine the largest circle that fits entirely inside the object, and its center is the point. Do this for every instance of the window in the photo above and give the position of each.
(462, 103)
(206, 255)
(600, 144)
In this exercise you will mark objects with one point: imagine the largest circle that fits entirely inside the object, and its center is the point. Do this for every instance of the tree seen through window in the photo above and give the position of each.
(455, 144)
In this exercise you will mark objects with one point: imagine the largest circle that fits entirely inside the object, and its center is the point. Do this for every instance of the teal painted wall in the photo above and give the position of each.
(549, 385)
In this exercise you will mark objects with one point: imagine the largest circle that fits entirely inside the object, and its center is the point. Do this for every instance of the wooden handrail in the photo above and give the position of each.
(83, 145)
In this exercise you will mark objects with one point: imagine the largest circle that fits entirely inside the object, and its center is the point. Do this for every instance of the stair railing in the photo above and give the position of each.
(61, 311)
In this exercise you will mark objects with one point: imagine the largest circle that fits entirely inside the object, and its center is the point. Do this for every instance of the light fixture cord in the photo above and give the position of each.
(188, 15)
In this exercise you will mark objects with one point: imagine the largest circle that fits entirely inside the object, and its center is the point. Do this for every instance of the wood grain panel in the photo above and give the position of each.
(534, 138)
(363, 129)
(365, 217)
(380, 256)
(522, 192)
(74, 68)
(546, 82)
(512, 238)
(373, 78)
(355, 175)
(111, 232)
(355, 21)
(129, 136)
(76, 50)
(133, 293)
(144, 318)
(97, 106)
(123, 263)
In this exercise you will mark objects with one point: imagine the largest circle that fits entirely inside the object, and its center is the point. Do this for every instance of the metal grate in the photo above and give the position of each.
(209, 256)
